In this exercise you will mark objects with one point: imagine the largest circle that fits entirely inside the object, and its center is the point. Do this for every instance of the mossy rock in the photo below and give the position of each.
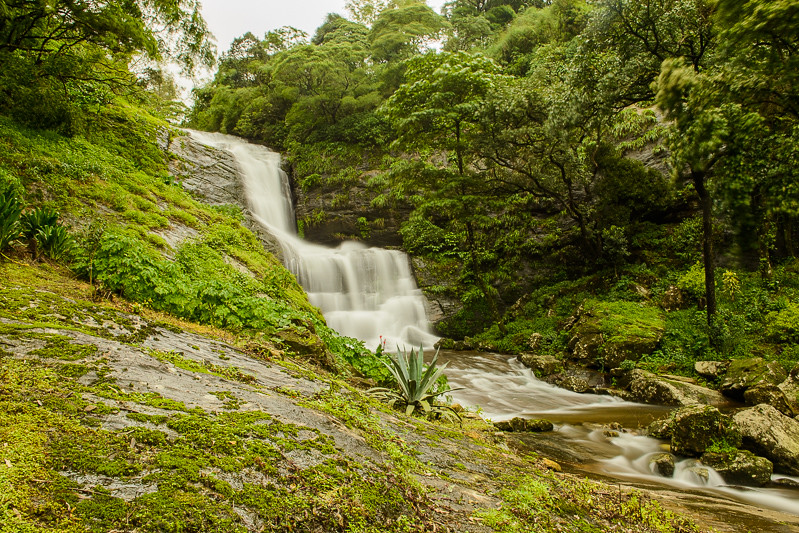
(307, 346)
(744, 374)
(662, 464)
(769, 433)
(607, 333)
(740, 467)
(537, 425)
(541, 365)
(694, 429)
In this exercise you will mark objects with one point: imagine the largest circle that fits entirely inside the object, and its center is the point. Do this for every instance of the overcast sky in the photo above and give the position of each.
(229, 19)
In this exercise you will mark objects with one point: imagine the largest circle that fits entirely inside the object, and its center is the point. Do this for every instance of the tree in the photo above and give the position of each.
(71, 52)
(645, 33)
(434, 113)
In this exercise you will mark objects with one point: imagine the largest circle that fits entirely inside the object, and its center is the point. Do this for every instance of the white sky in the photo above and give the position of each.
(228, 19)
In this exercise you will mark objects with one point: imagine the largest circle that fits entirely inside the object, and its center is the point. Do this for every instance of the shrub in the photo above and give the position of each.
(10, 211)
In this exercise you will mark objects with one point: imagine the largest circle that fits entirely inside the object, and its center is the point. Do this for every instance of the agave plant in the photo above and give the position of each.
(415, 384)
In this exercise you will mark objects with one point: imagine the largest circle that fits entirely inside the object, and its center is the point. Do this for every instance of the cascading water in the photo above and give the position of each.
(363, 292)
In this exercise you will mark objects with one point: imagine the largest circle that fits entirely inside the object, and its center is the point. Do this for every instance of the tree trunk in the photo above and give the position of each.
(706, 202)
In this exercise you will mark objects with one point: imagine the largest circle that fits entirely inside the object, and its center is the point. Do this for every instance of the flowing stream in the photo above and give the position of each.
(596, 433)
(366, 293)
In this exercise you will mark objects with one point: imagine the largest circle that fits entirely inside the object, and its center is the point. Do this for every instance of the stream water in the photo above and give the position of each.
(594, 434)
(370, 294)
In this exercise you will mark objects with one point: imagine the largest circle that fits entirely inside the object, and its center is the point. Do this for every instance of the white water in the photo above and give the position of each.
(503, 388)
(365, 293)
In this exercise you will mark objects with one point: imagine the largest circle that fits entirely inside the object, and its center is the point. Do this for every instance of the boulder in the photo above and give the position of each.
(770, 394)
(660, 429)
(646, 387)
(740, 467)
(769, 433)
(518, 424)
(541, 365)
(696, 428)
(574, 384)
(744, 374)
(711, 369)
(662, 464)
(603, 334)
(790, 387)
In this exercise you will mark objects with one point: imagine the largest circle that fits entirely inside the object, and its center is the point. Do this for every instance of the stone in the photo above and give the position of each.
(307, 347)
(574, 384)
(790, 388)
(519, 424)
(740, 467)
(646, 387)
(770, 394)
(551, 465)
(743, 374)
(541, 365)
(701, 474)
(208, 172)
(770, 434)
(662, 464)
(696, 428)
(660, 429)
(674, 299)
(711, 369)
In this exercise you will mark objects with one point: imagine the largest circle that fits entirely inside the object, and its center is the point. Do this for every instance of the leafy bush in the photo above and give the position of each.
(783, 325)
(693, 281)
(36, 219)
(54, 241)
(10, 211)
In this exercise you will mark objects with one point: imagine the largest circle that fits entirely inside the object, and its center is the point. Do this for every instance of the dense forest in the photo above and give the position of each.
(602, 145)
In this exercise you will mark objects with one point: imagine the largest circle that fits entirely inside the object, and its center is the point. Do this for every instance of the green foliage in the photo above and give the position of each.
(54, 242)
(37, 219)
(10, 211)
(693, 281)
(783, 325)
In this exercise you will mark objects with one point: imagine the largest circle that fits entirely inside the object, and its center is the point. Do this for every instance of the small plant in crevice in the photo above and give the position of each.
(415, 383)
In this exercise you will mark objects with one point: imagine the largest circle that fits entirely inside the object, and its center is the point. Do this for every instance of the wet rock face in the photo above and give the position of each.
(741, 467)
(790, 387)
(525, 425)
(744, 374)
(208, 172)
(769, 433)
(212, 175)
(694, 429)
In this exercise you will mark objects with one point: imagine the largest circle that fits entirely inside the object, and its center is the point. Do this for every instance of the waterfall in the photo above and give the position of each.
(365, 293)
